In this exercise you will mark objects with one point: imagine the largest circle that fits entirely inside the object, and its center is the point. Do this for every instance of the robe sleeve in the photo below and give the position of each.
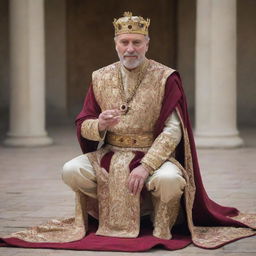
(168, 130)
(90, 130)
(164, 145)
(86, 120)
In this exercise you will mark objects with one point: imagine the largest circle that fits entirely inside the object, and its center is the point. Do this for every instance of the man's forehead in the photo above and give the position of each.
(130, 37)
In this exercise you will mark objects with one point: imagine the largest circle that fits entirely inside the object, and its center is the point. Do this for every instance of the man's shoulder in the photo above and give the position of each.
(160, 70)
(109, 68)
(157, 66)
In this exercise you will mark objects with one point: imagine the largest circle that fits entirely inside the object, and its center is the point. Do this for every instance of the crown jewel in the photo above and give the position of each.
(129, 24)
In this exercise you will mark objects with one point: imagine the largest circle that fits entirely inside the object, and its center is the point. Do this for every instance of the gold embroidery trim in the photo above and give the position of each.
(212, 237)
(160, 151)
(124, 107)
(59, 230)
(188, 173)
(248, 219)
(165, 215)
(130, 140)
(119, 211)
(90, 130)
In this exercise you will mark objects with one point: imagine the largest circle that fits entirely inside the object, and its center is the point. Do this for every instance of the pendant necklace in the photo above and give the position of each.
(124, 107)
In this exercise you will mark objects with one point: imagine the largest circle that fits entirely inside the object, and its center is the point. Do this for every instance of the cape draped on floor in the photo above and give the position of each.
(210, 225)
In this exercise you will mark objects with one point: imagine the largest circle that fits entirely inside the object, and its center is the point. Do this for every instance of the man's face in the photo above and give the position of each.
(131, 49)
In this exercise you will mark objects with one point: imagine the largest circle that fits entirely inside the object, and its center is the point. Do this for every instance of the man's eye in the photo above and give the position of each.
(136, 43)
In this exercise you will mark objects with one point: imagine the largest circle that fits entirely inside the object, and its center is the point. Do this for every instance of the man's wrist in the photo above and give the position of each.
(100, 128)
(149, 169)
(102, 132)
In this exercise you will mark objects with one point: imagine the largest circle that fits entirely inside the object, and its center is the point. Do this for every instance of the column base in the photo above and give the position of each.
(27, 141)
(218, 141)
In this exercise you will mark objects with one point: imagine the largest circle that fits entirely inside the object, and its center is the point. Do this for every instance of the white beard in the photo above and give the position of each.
(131, 63)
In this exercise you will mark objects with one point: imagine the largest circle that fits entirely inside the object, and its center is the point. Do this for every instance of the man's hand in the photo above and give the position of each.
(109, 118)
(137, 179)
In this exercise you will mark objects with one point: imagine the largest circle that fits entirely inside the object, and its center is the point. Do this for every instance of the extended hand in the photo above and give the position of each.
(137, 179)
(108, 118)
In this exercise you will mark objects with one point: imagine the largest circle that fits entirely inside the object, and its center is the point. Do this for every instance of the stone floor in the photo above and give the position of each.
(31, 190)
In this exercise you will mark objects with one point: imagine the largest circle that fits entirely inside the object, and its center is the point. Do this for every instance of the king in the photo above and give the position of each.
(139, 156)
(126, 100)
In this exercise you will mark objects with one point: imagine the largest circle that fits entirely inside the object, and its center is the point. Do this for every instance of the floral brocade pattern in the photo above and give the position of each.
(188, 174)
(90, 130)
(59, 230)
(213, 237)
(55, 231)
(163, 146)
(148, 97)
(165, 215)
(248, 219)
(119, 211)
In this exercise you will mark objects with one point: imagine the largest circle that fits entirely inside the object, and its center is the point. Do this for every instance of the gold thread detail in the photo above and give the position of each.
(130, 140)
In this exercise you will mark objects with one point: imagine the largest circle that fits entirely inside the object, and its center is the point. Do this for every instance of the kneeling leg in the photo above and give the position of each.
(166, 186)
(79, 175)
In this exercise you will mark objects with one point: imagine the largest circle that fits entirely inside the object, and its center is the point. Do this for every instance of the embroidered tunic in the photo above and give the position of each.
(119, 211)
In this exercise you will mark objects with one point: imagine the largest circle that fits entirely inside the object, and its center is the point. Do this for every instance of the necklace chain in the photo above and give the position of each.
(125, 101)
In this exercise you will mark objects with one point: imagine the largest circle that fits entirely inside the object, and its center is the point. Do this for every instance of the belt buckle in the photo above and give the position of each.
(128, 140)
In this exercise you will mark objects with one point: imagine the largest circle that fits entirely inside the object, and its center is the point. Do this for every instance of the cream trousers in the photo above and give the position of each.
(166, 183)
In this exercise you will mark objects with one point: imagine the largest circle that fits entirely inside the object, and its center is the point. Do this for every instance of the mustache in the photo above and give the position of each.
(130, 55)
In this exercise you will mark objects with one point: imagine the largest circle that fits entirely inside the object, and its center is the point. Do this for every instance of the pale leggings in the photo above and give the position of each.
(166, 183)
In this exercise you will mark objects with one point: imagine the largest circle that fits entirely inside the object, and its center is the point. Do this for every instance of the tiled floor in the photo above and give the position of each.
(31, 190)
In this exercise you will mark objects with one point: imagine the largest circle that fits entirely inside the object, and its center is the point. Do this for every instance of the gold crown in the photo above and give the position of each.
(129, 24)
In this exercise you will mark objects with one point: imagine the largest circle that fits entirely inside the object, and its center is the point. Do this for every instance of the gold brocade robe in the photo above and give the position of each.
(119, 211)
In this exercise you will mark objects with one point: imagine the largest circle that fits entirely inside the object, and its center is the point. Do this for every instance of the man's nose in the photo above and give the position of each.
(130, 48)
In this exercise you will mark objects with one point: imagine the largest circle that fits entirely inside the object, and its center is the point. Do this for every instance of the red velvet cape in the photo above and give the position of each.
(205, 211)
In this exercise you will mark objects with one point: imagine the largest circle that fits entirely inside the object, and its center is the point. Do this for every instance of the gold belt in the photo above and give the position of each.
(130, 140)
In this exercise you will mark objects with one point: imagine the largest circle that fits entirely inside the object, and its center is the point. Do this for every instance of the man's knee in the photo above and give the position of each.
(168, 182)
(172, 182)
(171, 174)
(78, 174)
(68, 173)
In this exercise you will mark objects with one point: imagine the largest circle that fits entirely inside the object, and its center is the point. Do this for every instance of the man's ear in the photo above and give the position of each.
(147, 46)
(114, 41)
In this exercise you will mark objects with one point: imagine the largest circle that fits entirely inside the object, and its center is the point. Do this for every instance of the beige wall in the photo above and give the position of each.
(246, 61)
(89, 22)
(186, 49)
(55, 50)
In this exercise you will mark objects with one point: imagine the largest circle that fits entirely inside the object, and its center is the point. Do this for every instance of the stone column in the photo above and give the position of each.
(27, 74)
(216, 74)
